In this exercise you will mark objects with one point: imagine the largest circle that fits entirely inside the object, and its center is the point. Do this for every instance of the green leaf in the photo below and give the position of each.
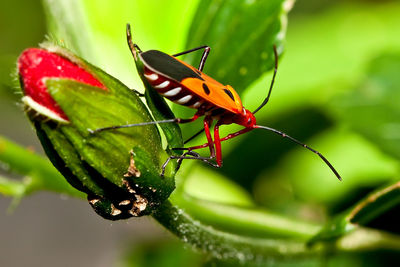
(363, 213)
(373, 109)
(376, 204)
(241, 35)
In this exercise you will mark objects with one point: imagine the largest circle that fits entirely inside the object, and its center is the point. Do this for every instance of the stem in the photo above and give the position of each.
(245, 221)
(10, 187)
(244, 249)
(227, 246)
(39, 173)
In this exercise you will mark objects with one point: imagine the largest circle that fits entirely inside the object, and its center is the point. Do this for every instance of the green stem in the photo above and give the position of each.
(245, 221)
(257, 250)
(39, 173)
(227, 246)
(10, 187)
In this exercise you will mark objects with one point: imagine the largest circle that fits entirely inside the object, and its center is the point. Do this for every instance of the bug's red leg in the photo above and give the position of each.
(195, 117)
(216, 151)
(210, 143)
(232, 135)
(192, 147)
(203, 57)
(217, 142)
(229, 136)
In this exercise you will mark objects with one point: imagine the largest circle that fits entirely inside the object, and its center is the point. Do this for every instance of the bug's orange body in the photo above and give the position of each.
(202, 88)
(188, 86)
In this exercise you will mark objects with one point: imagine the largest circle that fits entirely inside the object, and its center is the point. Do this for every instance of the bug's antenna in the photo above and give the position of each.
(132, 46)
(272, 82)
(303, 145)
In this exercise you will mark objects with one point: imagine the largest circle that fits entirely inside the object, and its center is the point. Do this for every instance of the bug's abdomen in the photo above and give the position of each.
(173, 90)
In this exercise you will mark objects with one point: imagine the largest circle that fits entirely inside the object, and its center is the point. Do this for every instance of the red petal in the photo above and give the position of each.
(35, 64)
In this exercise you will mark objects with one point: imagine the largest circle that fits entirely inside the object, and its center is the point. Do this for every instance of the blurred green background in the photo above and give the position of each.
(337, 90)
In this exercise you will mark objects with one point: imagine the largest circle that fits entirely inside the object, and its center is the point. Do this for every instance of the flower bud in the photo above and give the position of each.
(119, 169)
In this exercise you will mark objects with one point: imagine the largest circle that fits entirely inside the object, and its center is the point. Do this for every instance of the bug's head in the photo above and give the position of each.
(246, 119)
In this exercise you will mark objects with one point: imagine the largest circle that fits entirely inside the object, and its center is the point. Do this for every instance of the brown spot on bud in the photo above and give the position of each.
(138, 206)
(132, 170)
(94, 201)
(124, 202)
(115, 211)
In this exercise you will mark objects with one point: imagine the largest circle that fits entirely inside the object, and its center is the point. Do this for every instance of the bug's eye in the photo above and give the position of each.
(249, 120)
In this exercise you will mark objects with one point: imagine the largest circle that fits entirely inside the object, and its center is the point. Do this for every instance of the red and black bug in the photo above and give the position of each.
(189, 86)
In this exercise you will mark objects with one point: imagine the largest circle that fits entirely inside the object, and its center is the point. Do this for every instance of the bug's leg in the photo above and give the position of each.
(177, 120)
(210, 143)
(229, 136)
(203, 57)
(192, 147)
(217, 142)
(198, 157)
(207, 124)
(192, 155)
(195, 117)
(137, 93)
(232, 135)
(272, 82)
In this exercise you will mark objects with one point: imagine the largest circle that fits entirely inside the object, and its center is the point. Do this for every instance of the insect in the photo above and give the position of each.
(189, 86)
